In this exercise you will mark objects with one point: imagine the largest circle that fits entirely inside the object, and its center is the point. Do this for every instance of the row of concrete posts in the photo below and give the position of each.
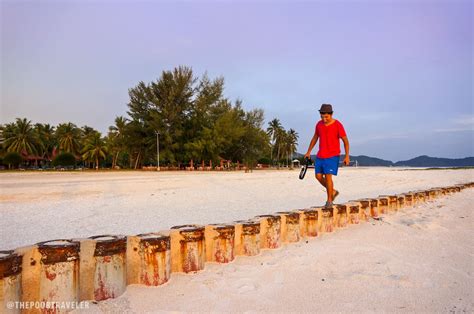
(100, 267)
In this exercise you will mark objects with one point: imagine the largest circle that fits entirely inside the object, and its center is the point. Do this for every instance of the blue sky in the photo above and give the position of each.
(398, 73)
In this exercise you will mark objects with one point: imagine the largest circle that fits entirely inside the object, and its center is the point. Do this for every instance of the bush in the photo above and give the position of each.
(12, 158)
(64, 159)
(265, 161)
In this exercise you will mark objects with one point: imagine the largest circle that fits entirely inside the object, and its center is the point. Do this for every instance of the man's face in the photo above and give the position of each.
(326, 117)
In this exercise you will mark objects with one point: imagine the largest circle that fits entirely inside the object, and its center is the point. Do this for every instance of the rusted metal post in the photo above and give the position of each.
(341, 217)
(110, 278)
(290, 226)
(10, 280)
(247, 237)
(270, 231)
(220, 243)
(354, 212)
(59, 275)
(148, 259)
(327, 219)
(188, 248)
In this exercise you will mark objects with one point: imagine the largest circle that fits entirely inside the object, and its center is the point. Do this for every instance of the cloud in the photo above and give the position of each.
(381, 137)
(462, 123)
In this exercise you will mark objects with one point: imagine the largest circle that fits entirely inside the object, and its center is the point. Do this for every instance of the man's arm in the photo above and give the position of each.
(314, 140)
(346, 148)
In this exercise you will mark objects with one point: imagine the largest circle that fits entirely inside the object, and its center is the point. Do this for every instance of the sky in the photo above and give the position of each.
(399, 74)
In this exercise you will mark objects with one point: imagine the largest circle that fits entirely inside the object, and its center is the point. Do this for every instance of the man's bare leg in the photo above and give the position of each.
(329, 187)
(321, 179)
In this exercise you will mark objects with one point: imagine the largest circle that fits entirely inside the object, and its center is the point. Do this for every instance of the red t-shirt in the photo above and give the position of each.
(329, 136)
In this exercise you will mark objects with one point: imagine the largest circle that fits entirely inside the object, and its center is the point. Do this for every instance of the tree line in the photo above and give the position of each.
(191, 117)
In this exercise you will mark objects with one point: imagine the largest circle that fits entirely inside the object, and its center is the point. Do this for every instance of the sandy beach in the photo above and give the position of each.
(418, 260)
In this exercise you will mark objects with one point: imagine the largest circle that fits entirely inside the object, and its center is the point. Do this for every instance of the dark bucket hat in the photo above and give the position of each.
(326, 108)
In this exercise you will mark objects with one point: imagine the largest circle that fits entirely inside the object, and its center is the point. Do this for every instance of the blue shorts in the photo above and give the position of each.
(327, 165)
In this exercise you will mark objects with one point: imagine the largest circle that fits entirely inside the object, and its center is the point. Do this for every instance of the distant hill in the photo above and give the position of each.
(366, 161)
(420, 161)
(427, 161)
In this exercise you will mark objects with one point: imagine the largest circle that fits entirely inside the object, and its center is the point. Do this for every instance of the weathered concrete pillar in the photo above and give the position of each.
(10, 280)
(148, 259)
(311, 222)
(327, 219)
(383, 204)
(188, 248)
(341, 216)
(247, 237)
(408, 199)
(109, 277)
(400, 201)
(427, 195)
(270, 231)
(434, 193)
(392, 202)
(219, 243)
(374, 207)
(364, 210)
(290, 226)
(59, 272)
(354, 212)
(420, 197)
(301, 222)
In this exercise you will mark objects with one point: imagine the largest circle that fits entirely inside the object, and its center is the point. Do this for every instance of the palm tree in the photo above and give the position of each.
(45, 134)
(94, 149)
(273, 131)
(291, 142)
(20, 137)
(68, 135)
(116, 138)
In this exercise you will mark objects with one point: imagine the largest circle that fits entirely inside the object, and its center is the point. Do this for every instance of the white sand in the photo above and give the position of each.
(418, 260)
(44, 206)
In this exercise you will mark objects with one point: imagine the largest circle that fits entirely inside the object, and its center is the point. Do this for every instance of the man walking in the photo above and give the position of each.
(328, 131)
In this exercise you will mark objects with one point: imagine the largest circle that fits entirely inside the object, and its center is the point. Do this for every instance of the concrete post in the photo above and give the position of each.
(354, 212)
(290, 226)
(109, 257)
(188, 248)
(247, 237)
(10, 280)
(408, 199)
(219, 243)
(270, 231)
(148, 259)
(59, 272)
(341, 217)
(327, 219)
(383, 205)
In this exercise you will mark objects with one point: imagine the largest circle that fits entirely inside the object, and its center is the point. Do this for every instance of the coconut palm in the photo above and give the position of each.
(94, 149)
(20, 137)
(45, 134)
(68, 135)
(274, 131)
(291, 142)
(116, 138)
